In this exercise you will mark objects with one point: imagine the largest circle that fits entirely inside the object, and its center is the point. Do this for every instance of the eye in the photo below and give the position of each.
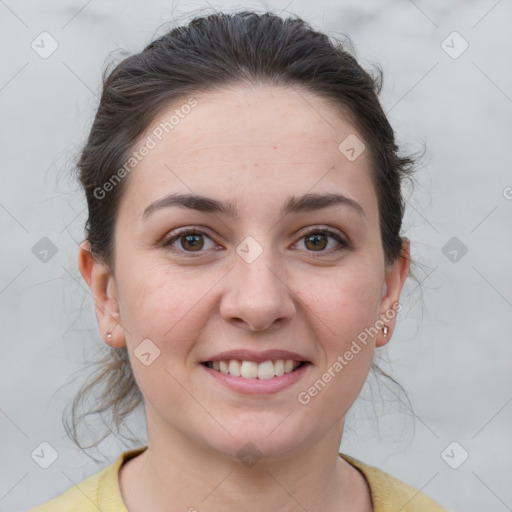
(323, 241)
(190, 241)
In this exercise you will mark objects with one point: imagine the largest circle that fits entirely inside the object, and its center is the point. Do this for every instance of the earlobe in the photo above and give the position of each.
(99, 278)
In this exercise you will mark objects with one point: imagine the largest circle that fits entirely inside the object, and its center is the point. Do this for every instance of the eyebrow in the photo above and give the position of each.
(300, 204)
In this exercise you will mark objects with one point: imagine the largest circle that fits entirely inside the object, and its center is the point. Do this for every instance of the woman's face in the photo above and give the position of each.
(268, 257)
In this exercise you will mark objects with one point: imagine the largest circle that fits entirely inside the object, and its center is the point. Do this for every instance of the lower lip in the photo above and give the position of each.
(258, 386)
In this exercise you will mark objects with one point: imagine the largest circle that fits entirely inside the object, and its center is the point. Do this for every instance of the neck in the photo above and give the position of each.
(175, 473)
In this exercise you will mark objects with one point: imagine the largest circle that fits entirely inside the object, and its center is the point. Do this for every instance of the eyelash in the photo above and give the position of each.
(343, 244)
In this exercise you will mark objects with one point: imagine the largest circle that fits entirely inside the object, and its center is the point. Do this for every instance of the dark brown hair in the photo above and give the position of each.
(215, 51)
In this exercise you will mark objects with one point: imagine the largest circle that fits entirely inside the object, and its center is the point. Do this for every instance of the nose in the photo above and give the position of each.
(257, 297)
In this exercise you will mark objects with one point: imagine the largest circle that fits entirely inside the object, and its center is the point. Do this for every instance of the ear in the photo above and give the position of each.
(103, 288)
(396, 274)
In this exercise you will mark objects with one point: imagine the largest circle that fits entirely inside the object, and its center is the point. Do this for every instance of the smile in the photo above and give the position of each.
(253, 370)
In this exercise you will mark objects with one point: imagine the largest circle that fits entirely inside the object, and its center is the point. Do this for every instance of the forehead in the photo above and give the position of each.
(245, 141)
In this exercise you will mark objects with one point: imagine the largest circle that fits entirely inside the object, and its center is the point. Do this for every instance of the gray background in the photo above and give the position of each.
(452, 350)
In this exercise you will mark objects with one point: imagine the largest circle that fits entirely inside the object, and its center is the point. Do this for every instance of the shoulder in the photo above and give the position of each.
(388, 491)
(82, 496)
(99, 491)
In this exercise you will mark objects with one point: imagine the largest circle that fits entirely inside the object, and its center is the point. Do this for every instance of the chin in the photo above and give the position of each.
(257, 439)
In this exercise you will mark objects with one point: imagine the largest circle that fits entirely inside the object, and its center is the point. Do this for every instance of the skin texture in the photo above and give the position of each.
(254, 147)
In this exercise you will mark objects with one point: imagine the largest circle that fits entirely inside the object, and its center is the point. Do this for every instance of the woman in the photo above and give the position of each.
(244, 253)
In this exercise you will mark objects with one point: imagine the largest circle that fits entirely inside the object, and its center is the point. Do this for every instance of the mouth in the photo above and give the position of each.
(264, 370)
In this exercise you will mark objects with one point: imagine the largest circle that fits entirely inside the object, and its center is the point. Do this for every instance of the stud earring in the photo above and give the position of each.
(109, 335)
(385, 329)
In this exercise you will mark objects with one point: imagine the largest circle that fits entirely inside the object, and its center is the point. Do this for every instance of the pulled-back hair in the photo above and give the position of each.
(211, 52)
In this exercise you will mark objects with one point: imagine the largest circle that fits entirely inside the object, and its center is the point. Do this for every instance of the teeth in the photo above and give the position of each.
(234, 368)
(266, 370)
(249, 370)
(279, 367)
(252, 370)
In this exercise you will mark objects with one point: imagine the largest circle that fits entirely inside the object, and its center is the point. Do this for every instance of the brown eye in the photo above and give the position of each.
(323, 241)
(190, 241)
(316, 241)
(193, 242)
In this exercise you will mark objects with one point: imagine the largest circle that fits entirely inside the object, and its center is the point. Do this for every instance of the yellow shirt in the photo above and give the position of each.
(101, 491)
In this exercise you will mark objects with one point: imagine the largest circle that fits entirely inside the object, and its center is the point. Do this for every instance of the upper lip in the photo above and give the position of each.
(257, 357)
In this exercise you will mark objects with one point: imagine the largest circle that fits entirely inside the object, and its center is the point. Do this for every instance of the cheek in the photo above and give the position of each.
(345, 301)
(162, 313)
(342, 307)
(163, 304)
